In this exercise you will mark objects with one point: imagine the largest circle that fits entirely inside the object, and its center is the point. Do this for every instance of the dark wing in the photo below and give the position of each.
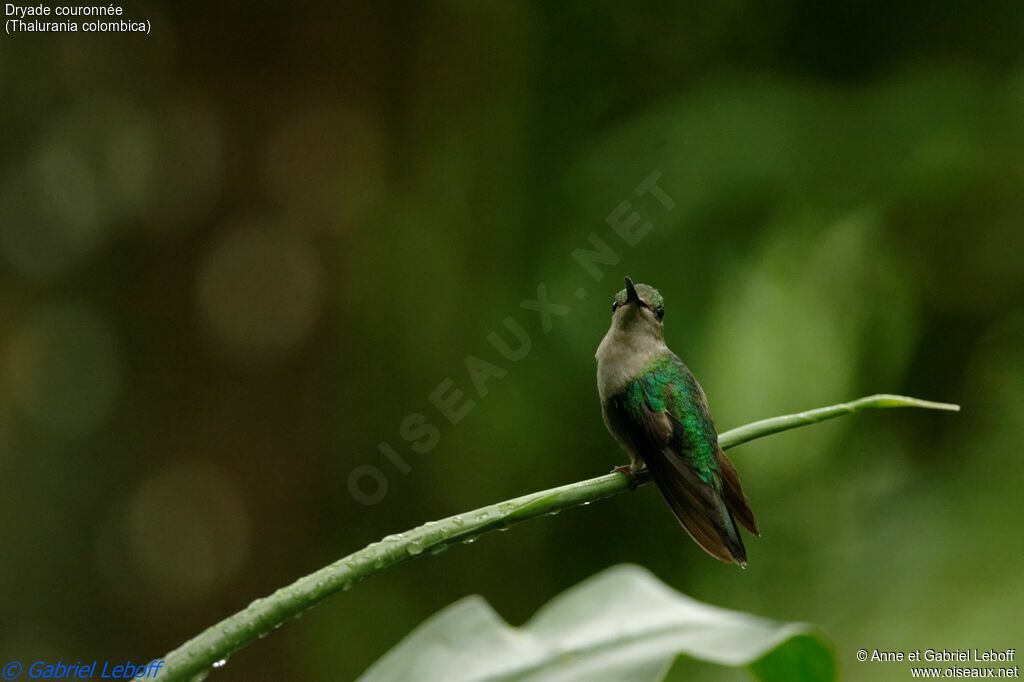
(664, 416)
(697, 503)
(733, 491)
(688, 405)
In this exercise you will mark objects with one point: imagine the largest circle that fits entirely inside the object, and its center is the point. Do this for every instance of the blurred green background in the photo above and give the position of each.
(236, 253)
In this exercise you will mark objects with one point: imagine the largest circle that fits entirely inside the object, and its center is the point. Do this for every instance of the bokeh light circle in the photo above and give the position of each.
(260, 290)
(51, 209)
(188, 528)
(64, 368)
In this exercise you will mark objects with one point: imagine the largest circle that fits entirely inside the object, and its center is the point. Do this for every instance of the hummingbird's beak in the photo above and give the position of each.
(631, 295)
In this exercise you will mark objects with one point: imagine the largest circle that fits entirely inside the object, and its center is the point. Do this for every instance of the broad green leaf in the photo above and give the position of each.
(622, 625)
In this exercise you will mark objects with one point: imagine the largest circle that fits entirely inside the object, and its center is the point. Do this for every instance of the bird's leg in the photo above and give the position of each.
(631, 470)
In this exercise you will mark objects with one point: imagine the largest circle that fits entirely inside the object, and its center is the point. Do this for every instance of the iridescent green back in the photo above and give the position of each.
(667, 385)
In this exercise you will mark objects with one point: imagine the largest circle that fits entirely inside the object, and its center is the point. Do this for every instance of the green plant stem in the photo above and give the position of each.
(212, 646)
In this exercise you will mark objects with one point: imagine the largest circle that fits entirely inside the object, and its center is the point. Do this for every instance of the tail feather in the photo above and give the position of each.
(734, 497)
(700, 509)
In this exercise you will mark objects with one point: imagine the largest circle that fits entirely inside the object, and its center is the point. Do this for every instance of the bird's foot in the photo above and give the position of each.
(630, 473)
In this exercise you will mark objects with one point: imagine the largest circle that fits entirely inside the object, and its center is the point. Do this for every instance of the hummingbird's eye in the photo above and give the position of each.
(659, 312)
(615, 306)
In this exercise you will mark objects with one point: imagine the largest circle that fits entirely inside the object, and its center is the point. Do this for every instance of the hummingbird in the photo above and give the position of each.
(656, 410)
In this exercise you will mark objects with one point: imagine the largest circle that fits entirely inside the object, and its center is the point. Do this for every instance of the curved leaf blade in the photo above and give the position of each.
(622, 625)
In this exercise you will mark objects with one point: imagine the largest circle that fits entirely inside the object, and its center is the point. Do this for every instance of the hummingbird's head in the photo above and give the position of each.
(639, 308)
